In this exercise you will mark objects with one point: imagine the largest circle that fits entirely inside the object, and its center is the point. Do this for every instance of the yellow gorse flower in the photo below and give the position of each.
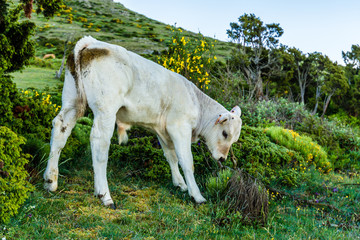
(189, 58)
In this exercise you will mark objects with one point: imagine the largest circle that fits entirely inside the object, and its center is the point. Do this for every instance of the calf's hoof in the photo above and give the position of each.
(183, 187)
(50, 185)
(200, 200)
(112, 206)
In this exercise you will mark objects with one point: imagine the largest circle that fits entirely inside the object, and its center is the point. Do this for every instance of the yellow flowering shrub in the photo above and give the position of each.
(34, 113)
(312, 152)
(45, 99)
(190, 57)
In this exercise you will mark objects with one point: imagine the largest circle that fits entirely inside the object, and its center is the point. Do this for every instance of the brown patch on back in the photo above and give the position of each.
(87, 55)
(71, 65)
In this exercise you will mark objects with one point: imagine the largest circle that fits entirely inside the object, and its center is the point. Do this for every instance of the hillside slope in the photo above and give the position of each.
(110, 22)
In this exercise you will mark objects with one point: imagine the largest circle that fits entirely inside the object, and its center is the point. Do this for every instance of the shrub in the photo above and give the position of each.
(190, 58)
(279, 112)
(33, 112)
(13, 184)
(143, 156)
(8, 94)
(312, 153)
(41, 63)
(265, 160)
(28, 113)
(341, 141)
(338, 139)
(140, 156)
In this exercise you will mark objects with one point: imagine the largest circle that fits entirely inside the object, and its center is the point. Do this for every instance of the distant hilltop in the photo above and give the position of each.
(88, 2)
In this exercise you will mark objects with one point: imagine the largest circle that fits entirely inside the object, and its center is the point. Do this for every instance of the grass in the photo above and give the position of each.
(157, 210)
(36, 77)
(132, 30)
(154, 210)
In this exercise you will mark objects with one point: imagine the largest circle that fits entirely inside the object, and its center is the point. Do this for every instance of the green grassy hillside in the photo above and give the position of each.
(110, 22)
(308, 164)
(104, 20)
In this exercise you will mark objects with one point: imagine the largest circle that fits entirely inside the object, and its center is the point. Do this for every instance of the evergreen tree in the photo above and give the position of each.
(17, 47)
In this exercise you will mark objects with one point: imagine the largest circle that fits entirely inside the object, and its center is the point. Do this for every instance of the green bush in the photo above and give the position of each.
(311, 151)
(141, 156)
(13, 184)
(341, 142)
(337, 136)
(279, 112)
(8, 94)
(41, 62)
(265, 160)
(27, 112)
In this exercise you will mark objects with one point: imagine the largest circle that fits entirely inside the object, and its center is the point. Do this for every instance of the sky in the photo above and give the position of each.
(326, 26)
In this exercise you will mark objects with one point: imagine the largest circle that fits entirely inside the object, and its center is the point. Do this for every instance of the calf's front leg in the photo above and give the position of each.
(181, 137)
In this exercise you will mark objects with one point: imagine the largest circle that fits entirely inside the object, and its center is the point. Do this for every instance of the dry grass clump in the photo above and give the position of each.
(249, 196)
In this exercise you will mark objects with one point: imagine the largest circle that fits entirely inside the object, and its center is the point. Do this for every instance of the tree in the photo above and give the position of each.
(256, 42)
(352, 58)
(351, 101)
(320, 75)
(16, 45)
(304, 66)
(16, 49)
(335, 84)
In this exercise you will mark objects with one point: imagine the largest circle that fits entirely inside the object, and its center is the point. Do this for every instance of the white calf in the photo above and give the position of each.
(121, 86)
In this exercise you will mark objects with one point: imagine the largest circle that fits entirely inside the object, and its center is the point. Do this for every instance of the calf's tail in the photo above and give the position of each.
(80, 46)
(86, 50)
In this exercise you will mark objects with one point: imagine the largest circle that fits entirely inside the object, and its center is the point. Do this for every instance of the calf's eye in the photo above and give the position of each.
(224, 134)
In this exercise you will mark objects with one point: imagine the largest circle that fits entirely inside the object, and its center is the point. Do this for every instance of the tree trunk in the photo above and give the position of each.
(315, 108)
(259, 91)
(318, 93)
(302, 85)
(327, 101)
(58, 74)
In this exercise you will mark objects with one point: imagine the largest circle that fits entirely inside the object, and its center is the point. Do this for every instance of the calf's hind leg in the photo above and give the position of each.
(171, 157)
(63, 123)
(101, 132)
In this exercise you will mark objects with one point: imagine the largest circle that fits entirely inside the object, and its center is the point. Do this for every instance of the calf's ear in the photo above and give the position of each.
(236, 110)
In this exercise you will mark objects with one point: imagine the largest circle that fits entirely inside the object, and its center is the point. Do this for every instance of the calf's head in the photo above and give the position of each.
(224, 132)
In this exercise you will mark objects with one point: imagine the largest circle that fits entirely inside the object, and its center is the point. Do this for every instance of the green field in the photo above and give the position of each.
(36, 77)
(150, 210)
